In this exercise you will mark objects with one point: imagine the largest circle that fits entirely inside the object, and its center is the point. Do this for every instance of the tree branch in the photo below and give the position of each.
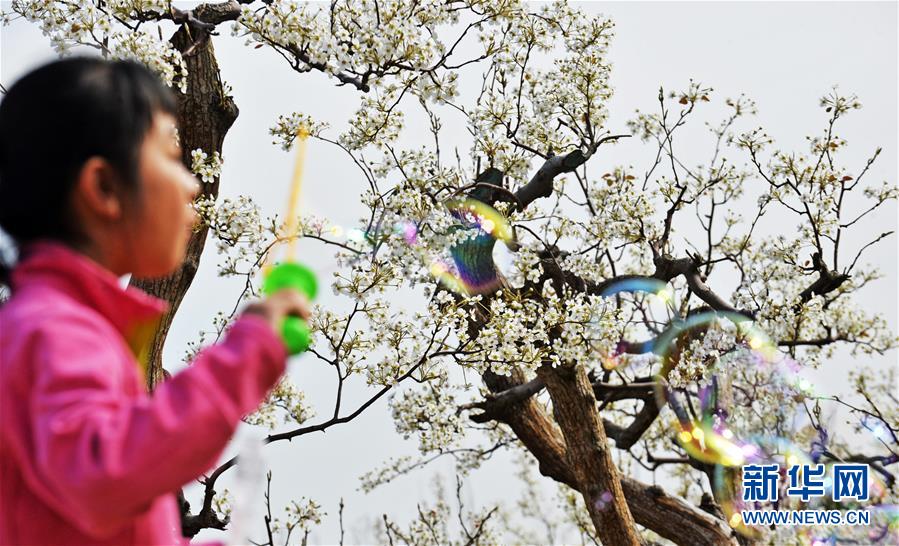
(541, 184)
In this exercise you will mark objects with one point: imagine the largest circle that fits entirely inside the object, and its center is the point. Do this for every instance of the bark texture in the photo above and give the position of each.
(204, 116)
(588, 455)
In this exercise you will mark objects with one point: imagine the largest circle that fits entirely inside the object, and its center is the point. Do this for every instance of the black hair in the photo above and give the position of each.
(54, 119)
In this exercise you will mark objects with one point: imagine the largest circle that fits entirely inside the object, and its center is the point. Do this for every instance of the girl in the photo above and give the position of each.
(92, 187)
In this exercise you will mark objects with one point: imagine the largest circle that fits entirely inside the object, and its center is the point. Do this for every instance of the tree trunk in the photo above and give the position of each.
(669, 516)
(588, 453)
(204, 116)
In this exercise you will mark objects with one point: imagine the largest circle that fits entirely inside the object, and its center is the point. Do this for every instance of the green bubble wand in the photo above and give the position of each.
(289, 273)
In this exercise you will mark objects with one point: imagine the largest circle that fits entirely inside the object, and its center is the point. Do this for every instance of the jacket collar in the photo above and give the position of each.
(86, 281)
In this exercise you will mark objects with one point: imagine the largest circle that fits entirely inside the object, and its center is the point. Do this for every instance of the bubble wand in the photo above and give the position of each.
(290, 274)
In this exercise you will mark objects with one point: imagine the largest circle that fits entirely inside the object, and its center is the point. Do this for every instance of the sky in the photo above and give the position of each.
(785, 56)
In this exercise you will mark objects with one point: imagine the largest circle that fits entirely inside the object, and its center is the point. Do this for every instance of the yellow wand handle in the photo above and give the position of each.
(296, 185)
(288, 274)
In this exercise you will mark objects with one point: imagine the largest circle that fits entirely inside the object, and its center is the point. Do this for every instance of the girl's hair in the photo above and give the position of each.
(53, 120)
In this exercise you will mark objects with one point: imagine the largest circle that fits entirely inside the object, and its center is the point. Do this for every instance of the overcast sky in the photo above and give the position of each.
(785, 56)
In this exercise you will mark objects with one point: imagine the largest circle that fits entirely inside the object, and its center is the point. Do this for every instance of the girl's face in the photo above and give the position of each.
(160, 220)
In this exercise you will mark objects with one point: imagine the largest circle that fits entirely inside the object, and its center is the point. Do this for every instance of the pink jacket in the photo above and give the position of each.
(86, 455)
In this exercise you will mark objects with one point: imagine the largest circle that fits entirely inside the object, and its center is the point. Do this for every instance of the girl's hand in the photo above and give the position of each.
(274, 308)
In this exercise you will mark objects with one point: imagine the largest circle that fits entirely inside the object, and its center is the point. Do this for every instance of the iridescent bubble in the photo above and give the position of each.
(409, 232)
(356, 235)
(450, 280)
(640, 284)
(472, 269)
(707, 437)
(704, 432)
(717, 443)
(603, 501)
(653, 288)
(477, 214)
(467, 267)
(875, 426)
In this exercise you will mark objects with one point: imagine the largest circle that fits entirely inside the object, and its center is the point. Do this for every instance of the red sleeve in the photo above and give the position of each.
(103, 455)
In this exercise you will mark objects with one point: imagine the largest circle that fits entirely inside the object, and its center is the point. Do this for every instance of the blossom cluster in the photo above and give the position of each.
(207, 167)
(285, 399)
(430, 414)
(100, 25)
